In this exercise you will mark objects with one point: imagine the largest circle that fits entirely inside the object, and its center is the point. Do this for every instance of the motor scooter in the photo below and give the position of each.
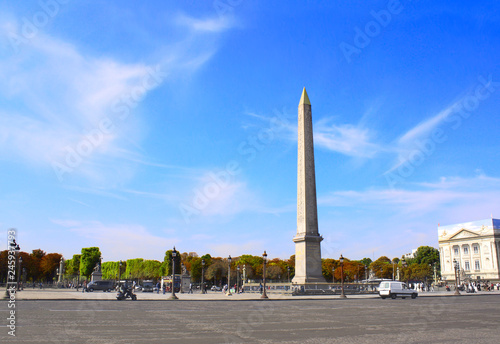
(125, 292)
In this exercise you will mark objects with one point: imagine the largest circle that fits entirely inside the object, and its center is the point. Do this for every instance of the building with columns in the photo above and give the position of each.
(474, 245)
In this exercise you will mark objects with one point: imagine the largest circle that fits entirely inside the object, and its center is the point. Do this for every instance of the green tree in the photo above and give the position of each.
(110, 270)
(167, 263)
(274, 272)
(366, 261)
(196, 269)
(217, 271)
(73, 266)
(208, 259)
(427, 255)
(134, 268)
(89, 258)
(151, 269)
(382, 267)
(255, 262)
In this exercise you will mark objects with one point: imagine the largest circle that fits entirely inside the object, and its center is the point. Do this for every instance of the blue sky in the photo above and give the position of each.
(138, 127)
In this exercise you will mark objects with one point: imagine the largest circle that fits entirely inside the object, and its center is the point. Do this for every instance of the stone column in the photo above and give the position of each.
(307, 241)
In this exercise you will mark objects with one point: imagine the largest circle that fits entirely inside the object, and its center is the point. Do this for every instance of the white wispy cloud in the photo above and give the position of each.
(424, 128)
(209, 24)
(54, 95)
(466, 197)
(392, 220)
(350, 140)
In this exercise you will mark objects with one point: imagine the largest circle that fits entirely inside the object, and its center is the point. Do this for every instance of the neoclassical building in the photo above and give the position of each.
(474, 245)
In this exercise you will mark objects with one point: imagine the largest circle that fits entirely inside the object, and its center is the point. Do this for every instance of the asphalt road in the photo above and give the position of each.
(463, 319)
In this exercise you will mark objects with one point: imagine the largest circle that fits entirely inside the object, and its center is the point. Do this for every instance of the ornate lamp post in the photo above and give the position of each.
(244, 274)
(120, 273)
(202, 276)
(13, 247)
(264, 294)
(238, 280)
(229, 259)
(457, 268)
(24, 277)
(288, 269)
(19, 272)
(366, 273)
(174, 254)
(333, 274)
(342, 276)
(435, 274)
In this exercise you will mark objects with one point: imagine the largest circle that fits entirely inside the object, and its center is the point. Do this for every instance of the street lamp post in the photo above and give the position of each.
(333, 274)
(264, 294)
(238, 280)
(13, 247)
(455, 265)
(342, 276)
(435, 274)
(24, 277)
(203, 276)
(174, 254)
(19, 272)
(244, 275)
(393, 270)
(229, 259)
(288, 270)
(120, 273)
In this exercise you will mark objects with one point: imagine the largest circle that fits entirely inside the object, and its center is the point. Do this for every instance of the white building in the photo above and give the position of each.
(474, 245)
(412, 254)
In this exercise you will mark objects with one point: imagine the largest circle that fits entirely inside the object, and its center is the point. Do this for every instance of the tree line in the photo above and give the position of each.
(42, 267)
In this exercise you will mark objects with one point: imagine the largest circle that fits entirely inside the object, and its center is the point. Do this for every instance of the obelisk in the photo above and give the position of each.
(307, 241)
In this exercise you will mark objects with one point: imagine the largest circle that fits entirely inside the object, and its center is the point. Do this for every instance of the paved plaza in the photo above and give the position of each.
(214, 318)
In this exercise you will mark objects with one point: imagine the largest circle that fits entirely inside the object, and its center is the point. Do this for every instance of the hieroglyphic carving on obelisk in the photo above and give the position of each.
(307, 241)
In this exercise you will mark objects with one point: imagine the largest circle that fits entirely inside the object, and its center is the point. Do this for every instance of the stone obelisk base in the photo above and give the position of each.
(308, 260)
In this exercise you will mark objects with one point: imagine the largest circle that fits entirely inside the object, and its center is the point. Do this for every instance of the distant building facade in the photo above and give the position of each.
(412, 254)
(474, 245)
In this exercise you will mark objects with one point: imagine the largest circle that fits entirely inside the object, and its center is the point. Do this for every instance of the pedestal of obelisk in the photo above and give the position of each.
(307, 241)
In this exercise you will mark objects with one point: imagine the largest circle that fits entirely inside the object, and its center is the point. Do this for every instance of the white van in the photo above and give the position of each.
(393, 289)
